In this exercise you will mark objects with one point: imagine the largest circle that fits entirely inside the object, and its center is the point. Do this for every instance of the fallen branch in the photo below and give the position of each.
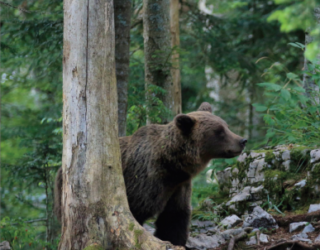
(235, 239)
(258, 237)
(285, 221)
(294, 245)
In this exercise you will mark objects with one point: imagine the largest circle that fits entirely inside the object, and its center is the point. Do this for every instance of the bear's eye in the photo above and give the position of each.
(219, 131)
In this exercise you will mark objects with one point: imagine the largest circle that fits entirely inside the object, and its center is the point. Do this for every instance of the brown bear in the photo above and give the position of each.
(159, 162)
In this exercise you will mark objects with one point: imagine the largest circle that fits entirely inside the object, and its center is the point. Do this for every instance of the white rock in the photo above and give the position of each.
(300, 184)
(260, 218)
(230, 221)
(209, 178)
(308, 229)
(264, 238)
(277, 156)
(4, 245)
(297, 226)
(252, 241)
(257, 155)
(242, 157)
(285, 155)
(231, 232)
(224, 178)
(313, 208)
(317, 240)
(255, 190)
(202, 241)
(255, 171)
(241, 196)
(149, 228)
(301, 237)
(315, 155)
(202, 224)
(286, 165)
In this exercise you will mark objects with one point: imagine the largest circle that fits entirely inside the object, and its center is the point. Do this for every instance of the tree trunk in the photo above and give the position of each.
(157, 52)
(122, 14)
(309, 84)
(95, 214)
(175, 44)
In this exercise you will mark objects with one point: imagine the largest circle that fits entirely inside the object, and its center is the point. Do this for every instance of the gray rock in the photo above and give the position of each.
(317, 240)
(301, 237)
(242, 157)
(252, 241)
(308, 229)
(260, 218)
(257, 155)
(296, 226)
(315, 155)
(231, 232)
(203, 242)
(286, 155)
(313, 208)
(241, 196)
(256, 192)
(4, 245)
(149, 228)
(255, 173)
(230, 221)
(300, 184)
(202, 224)
(212, 230)
(286, 165)
(264, 238)
(224, 178)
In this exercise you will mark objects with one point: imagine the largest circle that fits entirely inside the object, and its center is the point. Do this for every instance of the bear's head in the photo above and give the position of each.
(210, 133)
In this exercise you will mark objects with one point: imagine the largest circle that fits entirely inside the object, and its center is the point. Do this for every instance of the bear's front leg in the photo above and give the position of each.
(173, 222)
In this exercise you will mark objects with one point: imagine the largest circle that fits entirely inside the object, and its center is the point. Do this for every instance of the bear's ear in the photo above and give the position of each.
(184, 122)
(205, 106)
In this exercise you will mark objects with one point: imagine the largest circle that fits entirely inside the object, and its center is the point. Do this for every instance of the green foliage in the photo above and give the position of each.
(22, 235)
(295, 15)
(290, 115)
(31, 104)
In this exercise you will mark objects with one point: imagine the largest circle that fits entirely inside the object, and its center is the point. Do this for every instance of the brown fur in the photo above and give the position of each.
(159, 161)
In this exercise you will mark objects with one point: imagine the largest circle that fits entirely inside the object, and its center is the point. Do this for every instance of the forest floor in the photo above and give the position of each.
(303, 237)
(280, 239)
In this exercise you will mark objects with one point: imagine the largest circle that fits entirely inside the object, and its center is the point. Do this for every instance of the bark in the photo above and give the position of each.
(175, 44)
(157, 51)
(309, 84)
(122, 15)
(95, 214)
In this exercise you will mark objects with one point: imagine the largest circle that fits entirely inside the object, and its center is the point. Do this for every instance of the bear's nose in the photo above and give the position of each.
(243, 142)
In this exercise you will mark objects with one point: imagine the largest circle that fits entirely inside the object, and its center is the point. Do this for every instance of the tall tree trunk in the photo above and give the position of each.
(122, 15)
(157, 52)
(309, 84)
(95, 214)
(175, 44)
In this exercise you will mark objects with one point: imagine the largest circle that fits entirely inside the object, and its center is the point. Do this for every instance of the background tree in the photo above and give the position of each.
(157, 53)
(122, 15)
(175, 44)
(308, 82)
